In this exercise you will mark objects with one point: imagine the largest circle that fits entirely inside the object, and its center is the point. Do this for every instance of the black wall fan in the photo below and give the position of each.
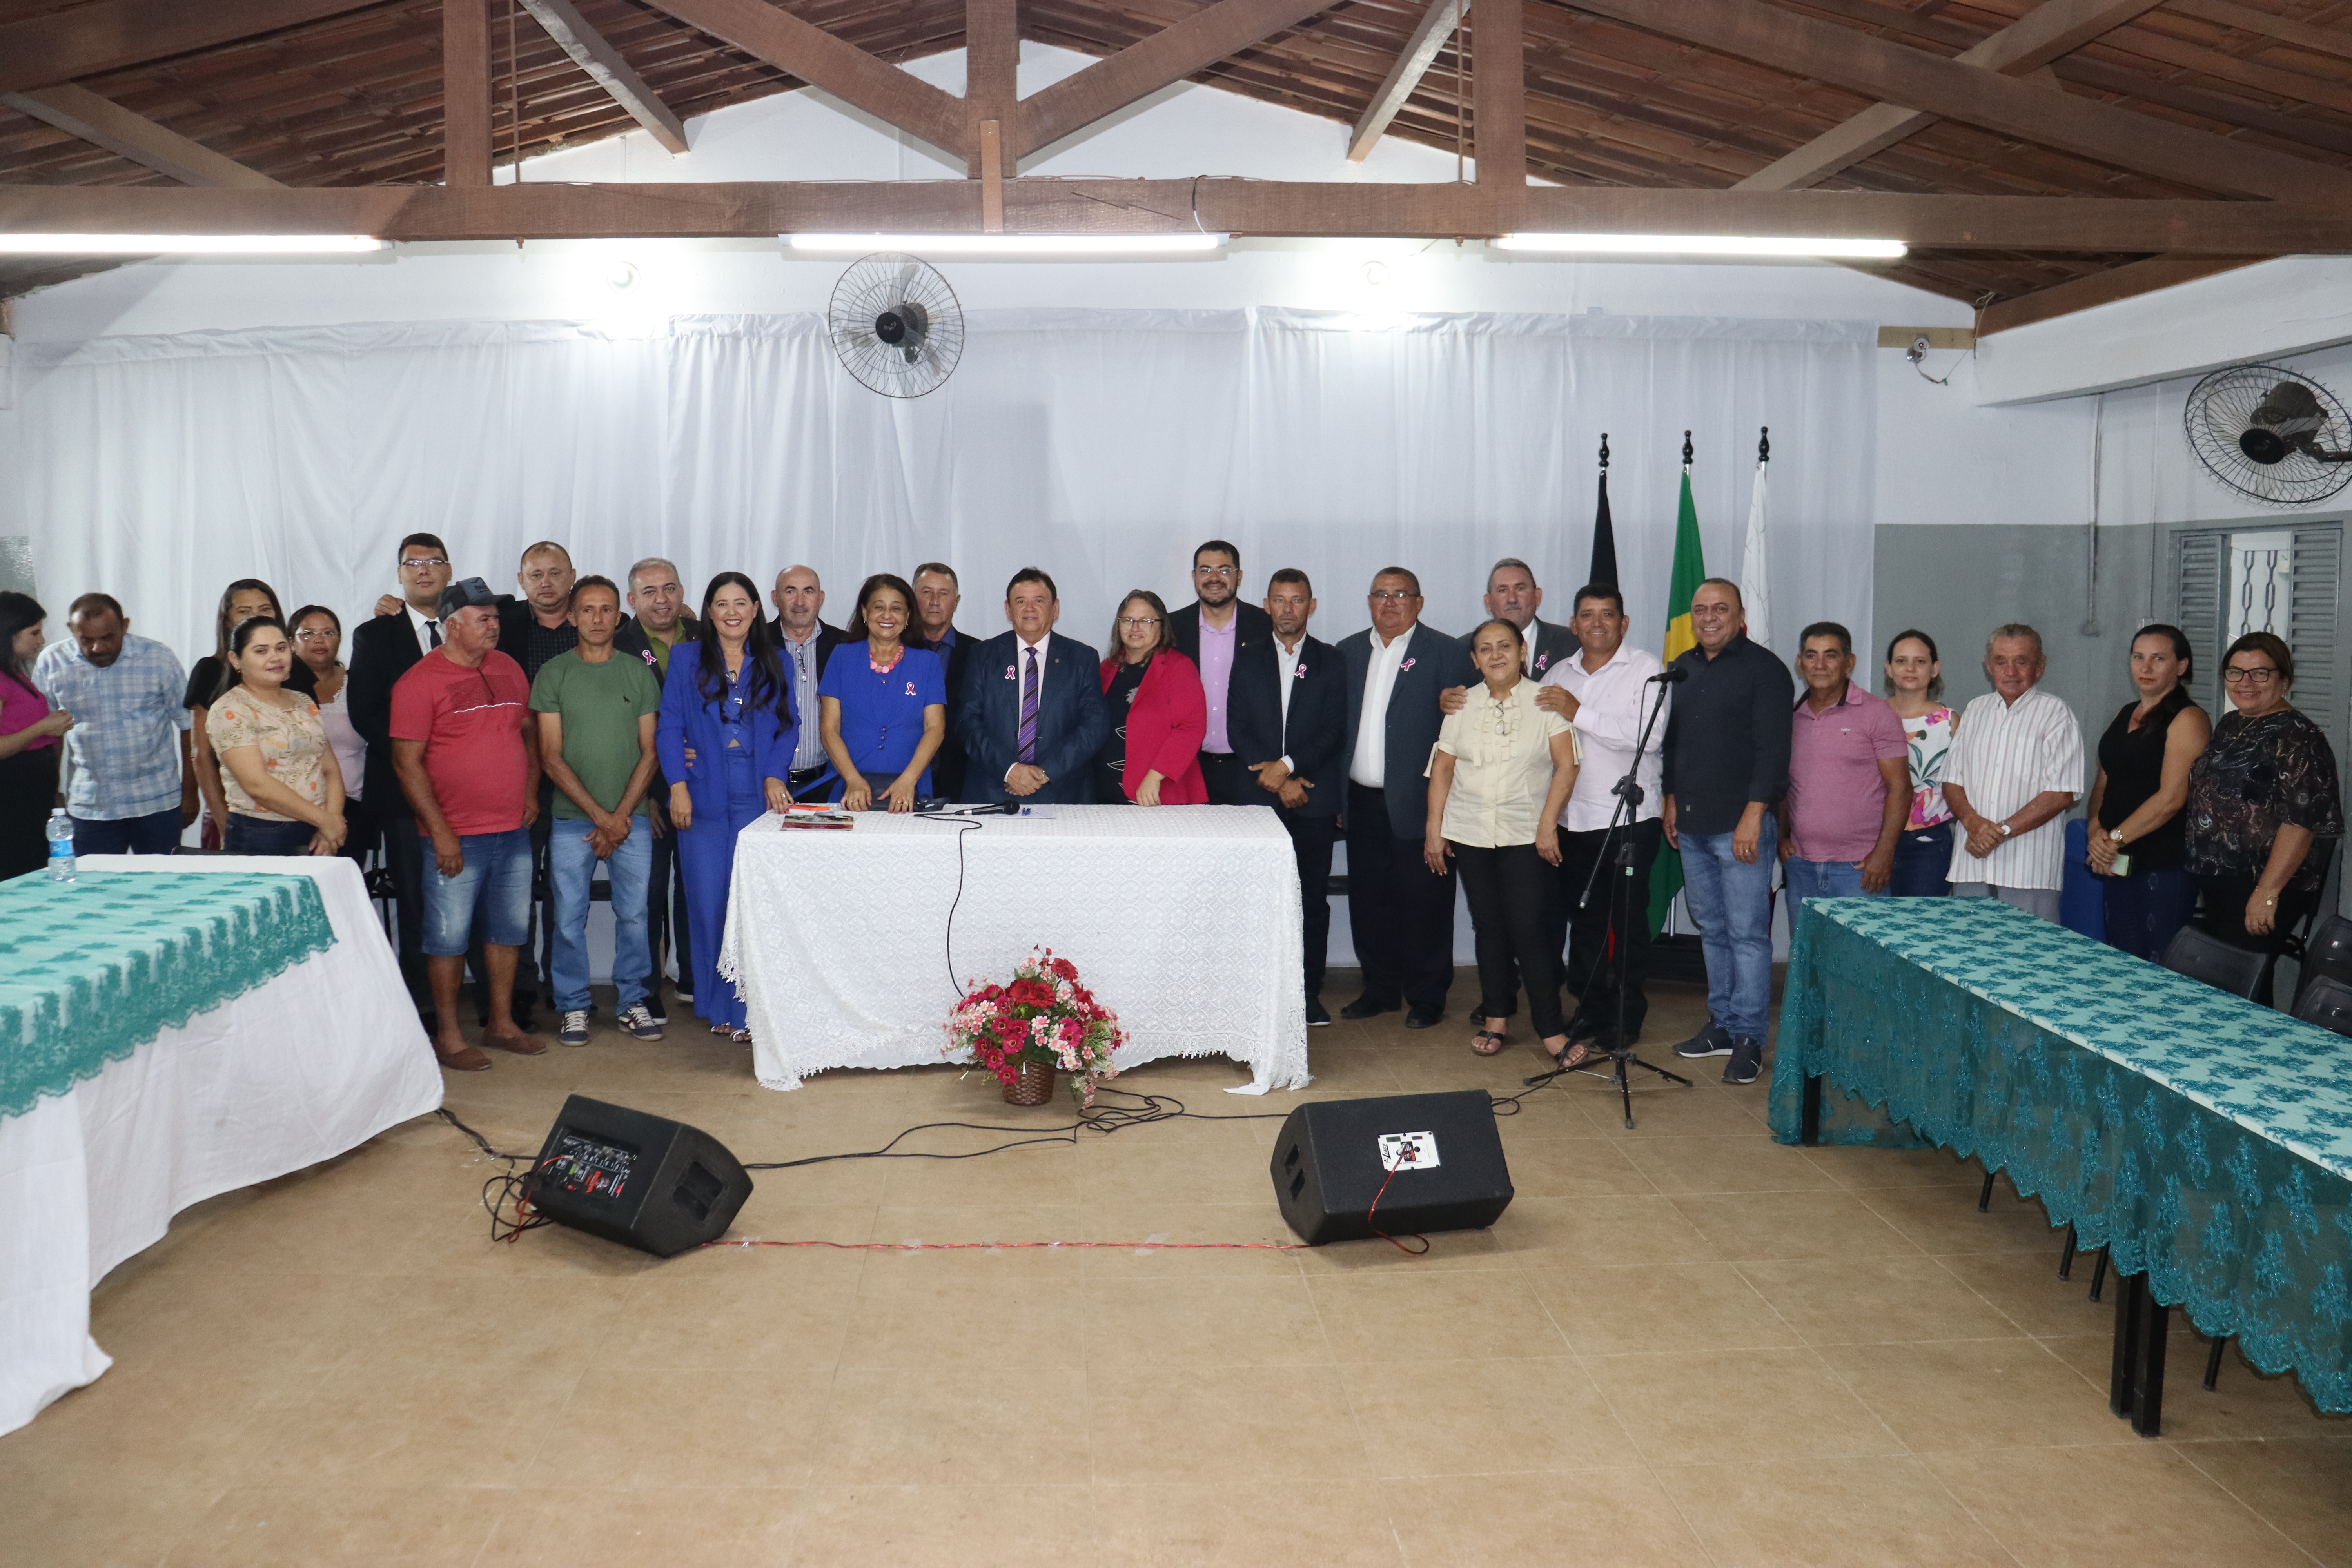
(896, 324)
(2271, 433)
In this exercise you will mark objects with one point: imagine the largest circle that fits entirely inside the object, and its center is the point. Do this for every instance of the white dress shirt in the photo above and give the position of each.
(1612, 702)
(1021, 647)
(1285, 666)
(2003, 755)
(421, 623)
(1371, 761)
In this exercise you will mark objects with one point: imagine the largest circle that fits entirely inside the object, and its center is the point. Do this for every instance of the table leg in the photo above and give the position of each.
(2135, 1381)
(1808, 1122)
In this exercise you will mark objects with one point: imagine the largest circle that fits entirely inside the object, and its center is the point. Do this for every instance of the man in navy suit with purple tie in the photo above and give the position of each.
(1030, 714)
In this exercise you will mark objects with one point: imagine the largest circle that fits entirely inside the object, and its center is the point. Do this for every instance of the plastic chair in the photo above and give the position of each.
(2239, 971)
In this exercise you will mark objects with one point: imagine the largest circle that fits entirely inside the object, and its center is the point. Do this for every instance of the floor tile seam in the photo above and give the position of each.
(2184, 1453)
(1347, 1400)
(1677, 1199)
(2006, 1316)
(1855, 1394)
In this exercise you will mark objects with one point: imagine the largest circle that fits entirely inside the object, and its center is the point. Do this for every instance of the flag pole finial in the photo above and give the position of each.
(1764, 443)
(1604, 449)
(1686, 449)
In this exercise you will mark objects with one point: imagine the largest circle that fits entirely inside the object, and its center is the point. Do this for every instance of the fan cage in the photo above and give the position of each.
(931, 334)
(2221, 409)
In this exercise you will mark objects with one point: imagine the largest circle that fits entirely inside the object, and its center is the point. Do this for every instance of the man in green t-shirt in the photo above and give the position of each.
(596, 709)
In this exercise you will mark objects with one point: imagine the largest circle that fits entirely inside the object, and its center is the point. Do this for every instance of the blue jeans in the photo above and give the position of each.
(157, 832)
(496, 879)
(258, 835)
(1822, 879)
(1923, 863)
(1733, 906)
(2146, 909)
(571, 862)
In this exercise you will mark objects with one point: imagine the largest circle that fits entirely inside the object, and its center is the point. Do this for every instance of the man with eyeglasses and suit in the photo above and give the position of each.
(1216, 631)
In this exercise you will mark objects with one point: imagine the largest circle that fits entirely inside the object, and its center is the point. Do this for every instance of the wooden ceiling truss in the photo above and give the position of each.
(2038, 158)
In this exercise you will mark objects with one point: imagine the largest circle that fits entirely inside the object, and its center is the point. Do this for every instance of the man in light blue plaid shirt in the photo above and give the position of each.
(133, 791)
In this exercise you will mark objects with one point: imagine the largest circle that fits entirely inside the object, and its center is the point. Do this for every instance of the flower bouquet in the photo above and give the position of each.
(1043, 1022)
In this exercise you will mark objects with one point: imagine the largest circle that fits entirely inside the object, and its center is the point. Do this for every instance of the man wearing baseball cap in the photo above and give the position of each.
(466, 752)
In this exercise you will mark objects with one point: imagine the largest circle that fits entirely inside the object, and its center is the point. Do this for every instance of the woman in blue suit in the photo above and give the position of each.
(883, 716)
(726, 736)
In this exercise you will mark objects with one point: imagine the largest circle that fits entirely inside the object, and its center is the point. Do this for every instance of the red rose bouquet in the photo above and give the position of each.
(1044, 1017)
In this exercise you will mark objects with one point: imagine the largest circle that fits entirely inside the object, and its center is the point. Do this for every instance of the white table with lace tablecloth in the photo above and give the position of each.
(1183, 919)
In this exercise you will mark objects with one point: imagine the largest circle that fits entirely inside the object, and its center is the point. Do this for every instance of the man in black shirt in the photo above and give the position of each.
(532, 630)
(1727, 761)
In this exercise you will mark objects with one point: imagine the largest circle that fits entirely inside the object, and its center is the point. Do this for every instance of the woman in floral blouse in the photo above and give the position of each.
(284, 790)
(2264, 803)
(1915, 690)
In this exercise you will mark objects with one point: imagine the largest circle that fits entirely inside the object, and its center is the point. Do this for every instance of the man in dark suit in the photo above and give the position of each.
(807, 645)
(1512, 596)
(1400, 913)
(1289, 727)
(383, 647)
(1216, 631)
(1030, 712)
(938, 592)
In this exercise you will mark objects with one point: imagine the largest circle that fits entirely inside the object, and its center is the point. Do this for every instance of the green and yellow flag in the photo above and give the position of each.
(1690, 571)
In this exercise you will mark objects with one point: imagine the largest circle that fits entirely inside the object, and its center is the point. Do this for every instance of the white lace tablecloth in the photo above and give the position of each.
(1183, 919)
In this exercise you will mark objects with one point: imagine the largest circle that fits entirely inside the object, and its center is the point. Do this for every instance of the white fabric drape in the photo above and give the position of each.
(1100, 444)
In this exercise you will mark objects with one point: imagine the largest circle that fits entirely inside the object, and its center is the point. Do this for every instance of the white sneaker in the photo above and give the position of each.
(573, 1030)
(640, 1022)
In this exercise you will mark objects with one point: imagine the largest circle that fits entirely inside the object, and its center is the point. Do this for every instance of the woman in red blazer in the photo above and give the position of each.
(1158, 712)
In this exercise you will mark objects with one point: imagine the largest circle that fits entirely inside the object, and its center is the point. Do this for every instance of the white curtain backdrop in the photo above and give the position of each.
(1101, 444)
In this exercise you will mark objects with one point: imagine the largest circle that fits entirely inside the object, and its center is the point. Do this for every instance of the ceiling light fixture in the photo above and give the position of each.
(188, 243)
(1007, 243)
(1702, 245)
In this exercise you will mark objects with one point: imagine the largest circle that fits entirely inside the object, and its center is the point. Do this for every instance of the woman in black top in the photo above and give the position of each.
(2264, 803)
(209, 682)
(2136, 804)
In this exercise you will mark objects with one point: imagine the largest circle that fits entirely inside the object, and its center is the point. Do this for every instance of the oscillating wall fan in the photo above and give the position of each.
(2271, 433)
(895, 325)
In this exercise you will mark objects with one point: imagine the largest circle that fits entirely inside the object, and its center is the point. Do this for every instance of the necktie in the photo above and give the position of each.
(432, 636)
(1025, 750)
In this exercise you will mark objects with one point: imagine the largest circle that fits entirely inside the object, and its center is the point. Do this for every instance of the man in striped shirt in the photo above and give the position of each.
(2012, 774)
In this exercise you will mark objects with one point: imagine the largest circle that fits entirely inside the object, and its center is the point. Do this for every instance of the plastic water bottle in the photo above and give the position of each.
(61, 846)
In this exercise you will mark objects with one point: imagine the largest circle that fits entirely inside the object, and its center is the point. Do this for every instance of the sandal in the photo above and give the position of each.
(1569, 1057)
(1487, 1043)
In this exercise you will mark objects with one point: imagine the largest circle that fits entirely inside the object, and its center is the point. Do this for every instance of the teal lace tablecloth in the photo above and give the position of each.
(2199, 1138)
(89, 971)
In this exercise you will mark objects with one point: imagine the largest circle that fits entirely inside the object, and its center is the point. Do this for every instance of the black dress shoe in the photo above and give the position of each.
(1421, 1016)
(1316, 1017)
(1365, 1007)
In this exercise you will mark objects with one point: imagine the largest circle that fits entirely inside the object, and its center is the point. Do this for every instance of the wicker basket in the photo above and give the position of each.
(1034, 1086)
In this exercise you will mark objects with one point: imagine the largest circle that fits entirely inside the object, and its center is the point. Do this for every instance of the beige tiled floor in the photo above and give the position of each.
(1682, 1344)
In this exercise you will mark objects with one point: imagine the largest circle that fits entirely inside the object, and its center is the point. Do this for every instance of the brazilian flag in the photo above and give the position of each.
(1690, 571)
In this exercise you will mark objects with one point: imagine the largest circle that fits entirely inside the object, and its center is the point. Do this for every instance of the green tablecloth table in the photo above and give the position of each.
(93, 968)
(2205, 1142)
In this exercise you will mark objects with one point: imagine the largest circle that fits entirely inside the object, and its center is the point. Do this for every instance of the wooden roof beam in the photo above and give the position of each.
(2286, 30)
(592, 53)
(1144, 67)
(858, 79)
(466, 147)
(1498, 106)
(88, 41)
(77, 111)
(2024, 46)
(1429, 36)
(2096, 224)
(1892, 73)
(2132, 279)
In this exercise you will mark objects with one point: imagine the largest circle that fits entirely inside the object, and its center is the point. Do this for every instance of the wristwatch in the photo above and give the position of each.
(2116, 836)
(2005, 829)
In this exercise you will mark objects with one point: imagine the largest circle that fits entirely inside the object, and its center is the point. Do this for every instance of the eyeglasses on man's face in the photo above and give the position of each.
(1228, 573)
(1394, 595)
(2250, 675)
(421, 562)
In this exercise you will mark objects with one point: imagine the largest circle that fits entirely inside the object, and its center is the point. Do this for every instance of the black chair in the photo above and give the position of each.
(2325, 955)
(2239, 971)
(2327, 1002)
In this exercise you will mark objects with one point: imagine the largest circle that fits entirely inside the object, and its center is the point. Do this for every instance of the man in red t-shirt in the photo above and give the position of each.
(466, 751)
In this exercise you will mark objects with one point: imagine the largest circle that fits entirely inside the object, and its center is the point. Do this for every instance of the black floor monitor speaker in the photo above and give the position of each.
(640, 1180)
(1333, 1154)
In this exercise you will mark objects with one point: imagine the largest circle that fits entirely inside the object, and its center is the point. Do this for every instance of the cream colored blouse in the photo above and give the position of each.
(1501, 749)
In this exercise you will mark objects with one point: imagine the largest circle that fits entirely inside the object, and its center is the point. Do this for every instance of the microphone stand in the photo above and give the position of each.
(1617, 854)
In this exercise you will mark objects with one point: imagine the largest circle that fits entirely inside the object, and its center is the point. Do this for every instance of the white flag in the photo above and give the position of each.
(1755, 582)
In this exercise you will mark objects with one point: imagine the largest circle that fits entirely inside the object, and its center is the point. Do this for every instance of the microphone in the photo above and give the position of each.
(1672, 676)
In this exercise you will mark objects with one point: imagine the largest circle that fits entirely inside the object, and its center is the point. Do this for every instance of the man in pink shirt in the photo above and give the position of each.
(1849, 779)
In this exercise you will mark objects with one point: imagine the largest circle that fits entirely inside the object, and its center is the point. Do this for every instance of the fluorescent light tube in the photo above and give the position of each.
(186, 243)
(1701, 245)
(1008, 244)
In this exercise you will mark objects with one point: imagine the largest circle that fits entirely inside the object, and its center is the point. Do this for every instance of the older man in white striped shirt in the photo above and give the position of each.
(2013, 772)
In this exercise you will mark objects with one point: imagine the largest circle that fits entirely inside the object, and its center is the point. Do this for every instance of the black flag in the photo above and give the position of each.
(1604, 541)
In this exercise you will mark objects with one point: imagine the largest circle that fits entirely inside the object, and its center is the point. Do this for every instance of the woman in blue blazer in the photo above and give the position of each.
(726, 738)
